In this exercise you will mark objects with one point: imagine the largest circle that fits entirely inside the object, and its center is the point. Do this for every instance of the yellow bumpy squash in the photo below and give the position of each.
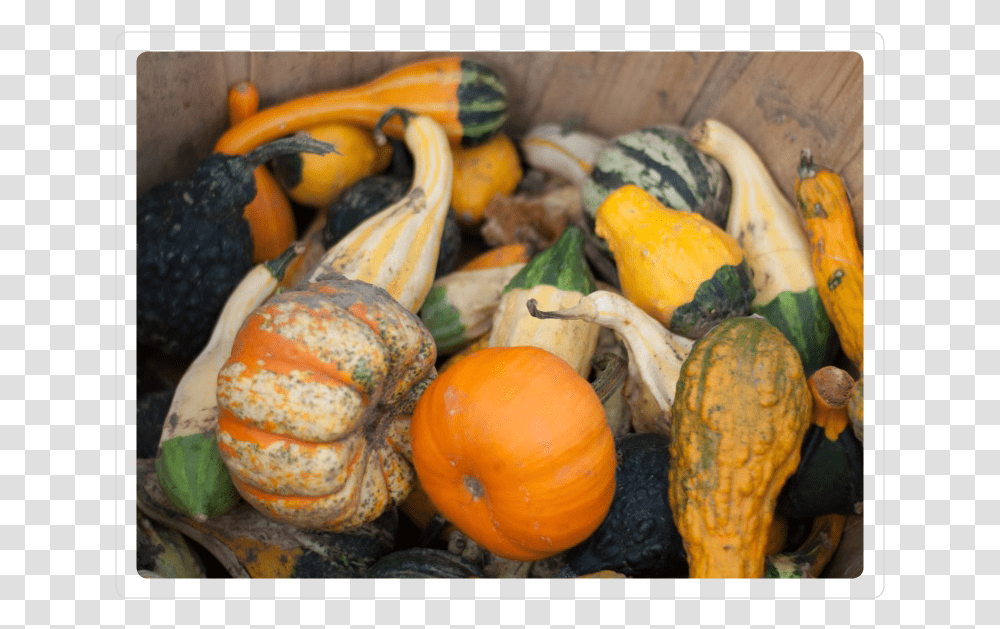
(738, 419)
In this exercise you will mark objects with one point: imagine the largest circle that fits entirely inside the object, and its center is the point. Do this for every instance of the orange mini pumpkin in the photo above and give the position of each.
(512, 447)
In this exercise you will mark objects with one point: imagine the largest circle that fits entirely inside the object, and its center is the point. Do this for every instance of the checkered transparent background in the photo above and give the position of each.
(67, 333)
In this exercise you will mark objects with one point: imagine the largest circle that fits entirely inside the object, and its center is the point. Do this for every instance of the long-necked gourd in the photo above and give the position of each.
(655, 354)
(188, 464)
(836, 257)
(768, 227)
(397, 248)
(465, 96)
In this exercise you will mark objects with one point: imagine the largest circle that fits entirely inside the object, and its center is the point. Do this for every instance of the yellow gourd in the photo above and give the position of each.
(677, 266)
(318, 182)
(741, 411)
(480, 172)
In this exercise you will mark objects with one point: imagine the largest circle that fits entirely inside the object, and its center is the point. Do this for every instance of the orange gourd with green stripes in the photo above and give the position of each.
(836, 257)
(464, 96)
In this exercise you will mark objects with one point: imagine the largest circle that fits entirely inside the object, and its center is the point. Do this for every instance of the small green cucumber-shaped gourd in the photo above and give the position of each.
(768, 227)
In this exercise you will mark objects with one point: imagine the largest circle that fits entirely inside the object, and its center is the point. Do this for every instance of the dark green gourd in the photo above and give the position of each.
(194, 246)
(638, 537)
(423, 563)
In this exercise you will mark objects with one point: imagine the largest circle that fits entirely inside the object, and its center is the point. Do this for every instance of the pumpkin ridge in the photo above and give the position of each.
(243, 430)
(248, 453)
(297, 501)
(276, 504)
(292, 355)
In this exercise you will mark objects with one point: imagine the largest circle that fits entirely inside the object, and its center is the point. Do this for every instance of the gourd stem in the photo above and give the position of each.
(806, 168)
(532, 305)
(301, 142)
(611, 373)
(404, 114)
(831, 388)
(279, 265)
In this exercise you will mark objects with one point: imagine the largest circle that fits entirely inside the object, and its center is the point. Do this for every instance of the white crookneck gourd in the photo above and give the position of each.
(768, 227)
(188, 465)
(655, 354)
(564, 150)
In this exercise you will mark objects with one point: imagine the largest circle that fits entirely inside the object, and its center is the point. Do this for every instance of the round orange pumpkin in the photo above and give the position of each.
(512, 446)
(315, 402)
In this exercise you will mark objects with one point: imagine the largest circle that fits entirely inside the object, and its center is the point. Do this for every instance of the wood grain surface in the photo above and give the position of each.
(781, 102)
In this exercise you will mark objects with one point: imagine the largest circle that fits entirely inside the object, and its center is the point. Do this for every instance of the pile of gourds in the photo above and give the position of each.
(630, 364)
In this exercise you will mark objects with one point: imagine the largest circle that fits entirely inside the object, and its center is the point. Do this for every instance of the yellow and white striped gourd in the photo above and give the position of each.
(397, 249)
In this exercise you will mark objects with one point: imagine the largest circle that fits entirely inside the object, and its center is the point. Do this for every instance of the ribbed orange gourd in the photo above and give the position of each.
(315, 403)
(512, 446)
(738, 420)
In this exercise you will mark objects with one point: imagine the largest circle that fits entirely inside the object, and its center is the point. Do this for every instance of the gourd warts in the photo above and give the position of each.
(474, 487)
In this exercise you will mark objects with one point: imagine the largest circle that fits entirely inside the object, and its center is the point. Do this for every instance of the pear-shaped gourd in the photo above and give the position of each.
(677, 266)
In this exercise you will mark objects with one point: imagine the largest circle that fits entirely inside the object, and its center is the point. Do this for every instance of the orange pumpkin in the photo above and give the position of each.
(315, 401)
(512, 447)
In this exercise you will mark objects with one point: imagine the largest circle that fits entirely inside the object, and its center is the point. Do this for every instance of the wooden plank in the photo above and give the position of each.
(180, 107)
(780, 102)
(783, 102)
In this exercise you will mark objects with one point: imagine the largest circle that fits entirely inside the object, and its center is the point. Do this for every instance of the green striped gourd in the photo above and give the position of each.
(661, 161)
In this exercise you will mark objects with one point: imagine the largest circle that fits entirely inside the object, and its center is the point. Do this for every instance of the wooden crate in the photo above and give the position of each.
(780, 102)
